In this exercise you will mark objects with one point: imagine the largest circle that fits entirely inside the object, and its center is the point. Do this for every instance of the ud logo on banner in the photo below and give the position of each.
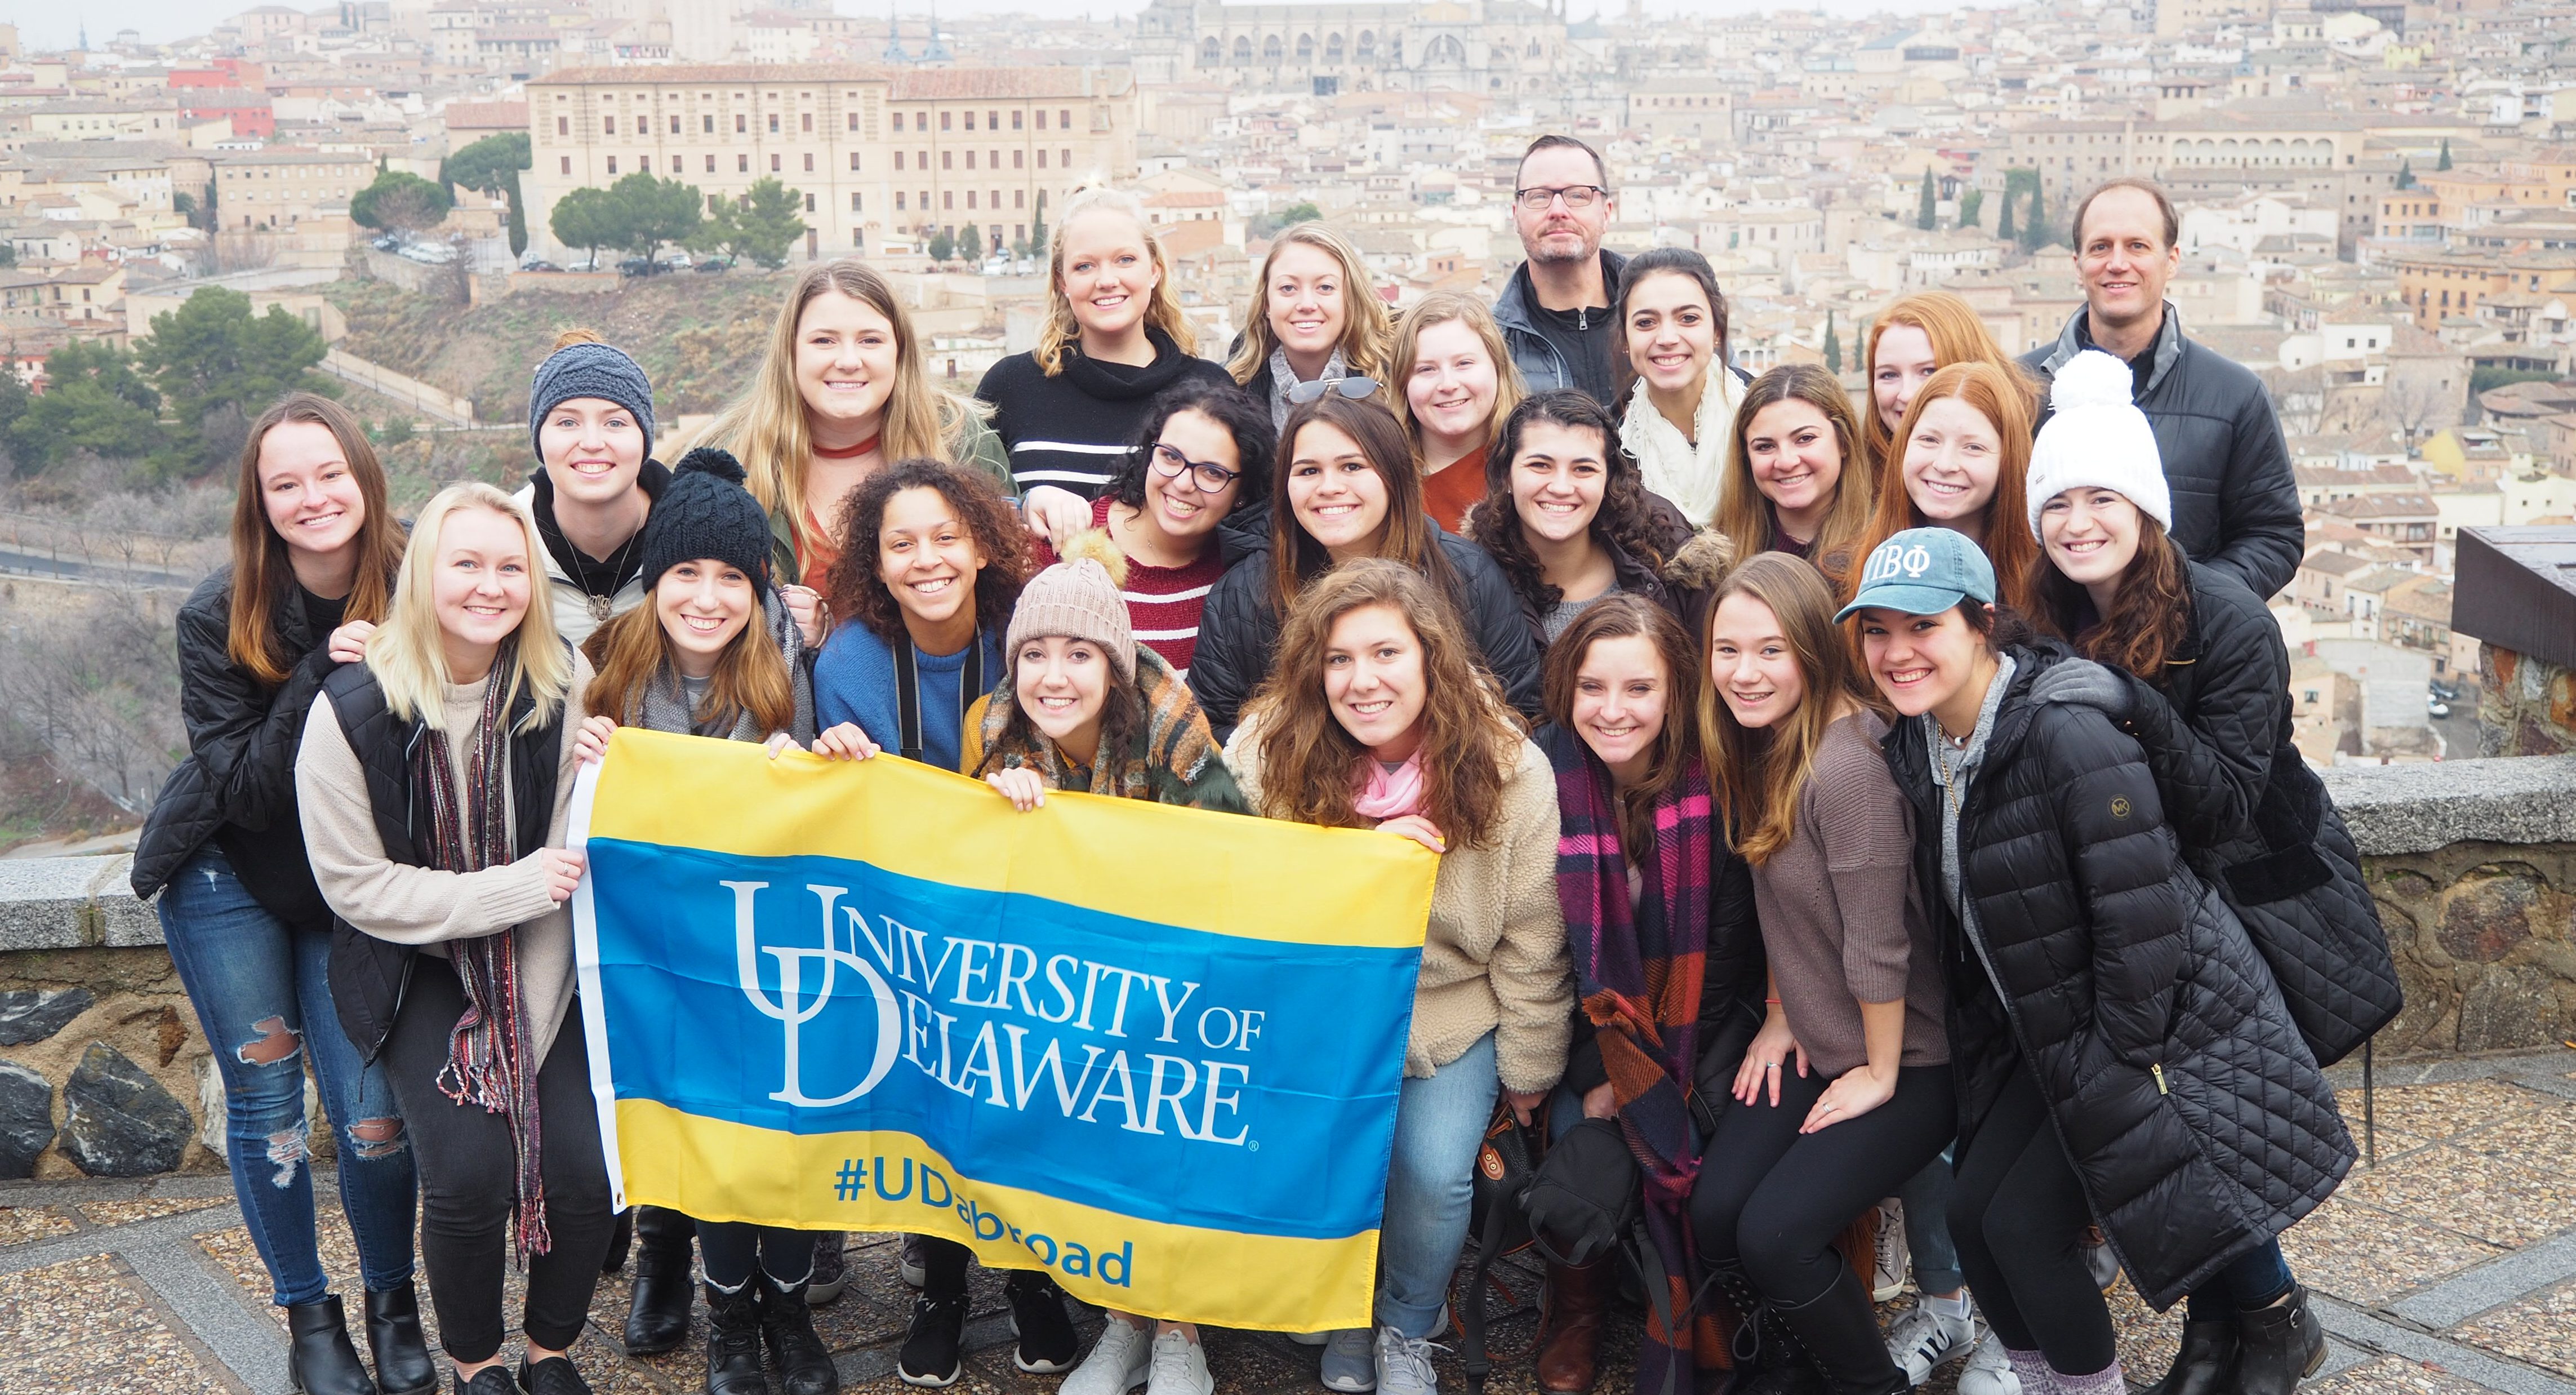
(872, 996)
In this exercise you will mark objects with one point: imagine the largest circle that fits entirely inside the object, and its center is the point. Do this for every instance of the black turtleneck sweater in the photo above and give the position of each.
(1073, 430)
(596, 576)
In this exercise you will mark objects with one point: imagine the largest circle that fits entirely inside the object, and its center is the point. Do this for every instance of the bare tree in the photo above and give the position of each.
(93, 675)
(2415, 405)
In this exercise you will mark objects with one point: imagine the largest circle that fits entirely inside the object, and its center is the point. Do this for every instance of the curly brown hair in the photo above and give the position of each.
(1626, 518)
(855, 589)
(2149, 617)
(1469, 737)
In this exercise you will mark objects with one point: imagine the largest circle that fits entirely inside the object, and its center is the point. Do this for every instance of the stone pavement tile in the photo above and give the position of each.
(2148, 1339)
(2438, 1112)
(2543, 1137)
(2497, 1201)
(20, 1224)
(82, 1325)
(148, 1361)
(2368, 1257)
(146, 1208)
(2541, 1329)
(2395, 1375)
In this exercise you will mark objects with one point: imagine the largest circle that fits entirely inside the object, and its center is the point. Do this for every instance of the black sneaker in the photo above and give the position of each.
(553, 1376)
(491, 1380)
(1047, 1340)
(933, 1347)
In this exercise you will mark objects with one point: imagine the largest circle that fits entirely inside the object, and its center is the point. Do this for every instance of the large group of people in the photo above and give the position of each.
(1841, 801)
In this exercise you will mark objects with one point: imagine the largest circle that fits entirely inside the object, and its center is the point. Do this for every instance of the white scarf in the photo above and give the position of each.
(1692, 476)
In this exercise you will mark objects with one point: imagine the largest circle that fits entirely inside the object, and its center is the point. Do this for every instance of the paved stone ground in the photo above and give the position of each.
(2449, 1268)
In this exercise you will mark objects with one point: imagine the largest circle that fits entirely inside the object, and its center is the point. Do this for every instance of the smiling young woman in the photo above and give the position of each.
(1913, 338)
(1797, 481)
(590, 415)
(1673, 319)
(315, 550)
(1458, 384)
(1314, 316)
(1963, 463)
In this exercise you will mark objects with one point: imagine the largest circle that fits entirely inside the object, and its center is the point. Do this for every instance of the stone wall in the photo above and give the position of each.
(2526, 706)
(103, 1070)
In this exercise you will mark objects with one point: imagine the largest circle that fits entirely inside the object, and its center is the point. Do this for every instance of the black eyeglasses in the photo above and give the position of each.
(1575, 196)
(1171, 465)
(1356, 389)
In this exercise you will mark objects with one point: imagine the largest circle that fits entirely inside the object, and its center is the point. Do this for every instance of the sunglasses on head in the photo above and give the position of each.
(1356, 389)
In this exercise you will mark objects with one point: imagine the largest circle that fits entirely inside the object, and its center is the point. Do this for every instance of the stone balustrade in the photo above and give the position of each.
(103, 1070)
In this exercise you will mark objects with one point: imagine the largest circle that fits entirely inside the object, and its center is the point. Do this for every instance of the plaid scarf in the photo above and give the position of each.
(1639, 972)
(489, 1057)
(1174, 738)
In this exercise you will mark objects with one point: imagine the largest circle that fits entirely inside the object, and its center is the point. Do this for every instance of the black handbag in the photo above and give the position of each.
(1506, 1163)
(1587, 1198)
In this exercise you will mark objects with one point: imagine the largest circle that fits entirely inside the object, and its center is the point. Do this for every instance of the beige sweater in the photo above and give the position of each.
(422, 906)
(1494, 957)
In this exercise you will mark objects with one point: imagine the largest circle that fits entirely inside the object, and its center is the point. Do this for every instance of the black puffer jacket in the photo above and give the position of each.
(1239, 629)
(2255, 821)
(2195, 1117)
(236, 789)
(2235, 502)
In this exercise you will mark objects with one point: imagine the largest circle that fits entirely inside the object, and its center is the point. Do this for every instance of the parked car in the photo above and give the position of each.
(711, 264)
(539, 266)
(428, 253)
(2445, 689)
(2435, 707)
(641, 266)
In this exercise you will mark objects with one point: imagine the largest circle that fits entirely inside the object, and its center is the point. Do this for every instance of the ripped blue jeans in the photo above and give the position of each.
(263, 996)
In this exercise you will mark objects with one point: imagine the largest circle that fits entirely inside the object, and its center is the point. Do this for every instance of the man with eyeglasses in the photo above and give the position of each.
(1556, 310)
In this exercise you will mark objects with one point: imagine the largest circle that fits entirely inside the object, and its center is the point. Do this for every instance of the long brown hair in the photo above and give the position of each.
(1470, 739)
(631, 650)
(1759, 775)
(1365, 330)
(264, 578)
(1744, 512)
(2009, 410)
(1625, 520)
(1957, 336)
(855, 588)
(1406, 535)
(2149, 616)
(1621, 615)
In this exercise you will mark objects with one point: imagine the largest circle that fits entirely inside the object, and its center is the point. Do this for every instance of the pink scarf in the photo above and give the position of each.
(1386, 794)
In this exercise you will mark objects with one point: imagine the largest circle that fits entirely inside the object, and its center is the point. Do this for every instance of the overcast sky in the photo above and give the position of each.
(160, 21)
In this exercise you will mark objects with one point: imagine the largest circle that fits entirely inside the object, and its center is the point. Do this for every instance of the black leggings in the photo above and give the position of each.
(2018, 1217)
(469, 1171)
(731, 1248)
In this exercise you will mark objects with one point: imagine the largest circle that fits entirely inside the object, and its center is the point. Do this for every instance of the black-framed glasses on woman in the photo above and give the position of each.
(1575, 196)
(1209, 478)
(1356, 389)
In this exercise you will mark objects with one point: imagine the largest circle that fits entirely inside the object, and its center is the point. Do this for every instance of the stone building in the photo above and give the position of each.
(1517, 47)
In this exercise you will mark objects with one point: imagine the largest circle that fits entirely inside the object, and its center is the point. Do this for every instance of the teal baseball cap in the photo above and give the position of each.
(1923, 571)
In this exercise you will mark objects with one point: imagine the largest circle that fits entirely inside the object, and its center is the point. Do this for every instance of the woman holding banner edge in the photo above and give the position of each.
(1375, 716)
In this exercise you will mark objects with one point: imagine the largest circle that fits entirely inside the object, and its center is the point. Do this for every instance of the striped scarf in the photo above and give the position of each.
(1174, 739)
(1639, 973)
(489, 1059)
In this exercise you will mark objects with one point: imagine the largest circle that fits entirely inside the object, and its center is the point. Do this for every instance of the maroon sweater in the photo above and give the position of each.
(1163, 603)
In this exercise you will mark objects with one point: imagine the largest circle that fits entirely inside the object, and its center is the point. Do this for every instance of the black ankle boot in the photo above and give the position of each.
(733, 1342)
(2206, 1365)
(321, 1360)
(403, 1364)
(2279, 1346)
(796, 1352)
(657, 1313)
(1838, 1330)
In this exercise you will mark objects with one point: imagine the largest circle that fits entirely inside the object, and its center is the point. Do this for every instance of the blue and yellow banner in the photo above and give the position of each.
(1154, 1052)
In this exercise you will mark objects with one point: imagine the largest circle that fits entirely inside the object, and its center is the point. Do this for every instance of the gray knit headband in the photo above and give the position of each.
(589, 370)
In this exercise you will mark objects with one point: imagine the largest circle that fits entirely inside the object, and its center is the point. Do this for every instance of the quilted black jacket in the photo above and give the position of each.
(2256, 822)
(2196, 1118)
(1239, 630)
(237, 786)
(2235, 501)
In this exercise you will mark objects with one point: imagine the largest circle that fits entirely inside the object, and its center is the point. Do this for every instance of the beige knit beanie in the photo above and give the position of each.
(1079, 599)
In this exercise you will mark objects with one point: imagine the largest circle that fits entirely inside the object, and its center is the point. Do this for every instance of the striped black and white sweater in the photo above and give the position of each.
(1074, 429)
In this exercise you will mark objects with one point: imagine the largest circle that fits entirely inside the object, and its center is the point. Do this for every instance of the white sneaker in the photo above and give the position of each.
(1923, 1341)
(1117, 1362)
(1349, 1365)
(1893, 1259)
(1987, 1371)
(1310, 1339)
(1404, 1364)
(1180, 1368)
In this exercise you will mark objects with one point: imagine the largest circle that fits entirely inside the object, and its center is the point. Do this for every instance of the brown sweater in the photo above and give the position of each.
(1842, 920)
(420, 905)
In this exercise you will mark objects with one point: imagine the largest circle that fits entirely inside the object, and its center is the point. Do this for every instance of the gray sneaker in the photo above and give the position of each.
(1348, 1364)
(1404, 1364)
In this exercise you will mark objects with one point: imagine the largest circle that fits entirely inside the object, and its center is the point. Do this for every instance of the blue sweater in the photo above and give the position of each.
(854, 680)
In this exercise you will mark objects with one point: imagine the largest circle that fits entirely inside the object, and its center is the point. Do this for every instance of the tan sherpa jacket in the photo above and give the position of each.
(1494, 957)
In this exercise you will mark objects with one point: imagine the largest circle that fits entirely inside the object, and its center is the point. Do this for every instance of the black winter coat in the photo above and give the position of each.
(2255, 821)
(237, 786)
(1239, 630)
(2197, 1121)
(2235, 502)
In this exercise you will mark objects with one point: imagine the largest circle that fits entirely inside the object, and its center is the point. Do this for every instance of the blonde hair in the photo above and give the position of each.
(1162, 309)
(1439, 308)
(629, 653)
(406, 655)
(1759, 776)
(765, 428)
(1365, 330)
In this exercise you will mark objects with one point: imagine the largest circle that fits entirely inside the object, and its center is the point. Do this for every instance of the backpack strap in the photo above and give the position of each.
(907, 692)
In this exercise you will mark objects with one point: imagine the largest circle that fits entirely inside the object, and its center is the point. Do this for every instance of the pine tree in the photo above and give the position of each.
(1833, 345)
(1925, 203)
(2003, 218)
(2405, 174)
(2034, 231)
(1972, 208)
(2446, 155)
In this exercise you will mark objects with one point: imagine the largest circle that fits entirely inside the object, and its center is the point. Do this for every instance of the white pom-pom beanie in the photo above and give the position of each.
(2097, 438)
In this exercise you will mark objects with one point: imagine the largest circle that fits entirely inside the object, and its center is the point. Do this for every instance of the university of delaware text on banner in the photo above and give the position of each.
(1154, 1052)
